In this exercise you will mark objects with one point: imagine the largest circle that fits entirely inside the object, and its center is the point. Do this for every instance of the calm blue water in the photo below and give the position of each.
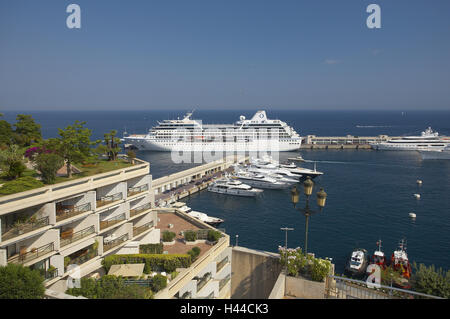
(369, 193)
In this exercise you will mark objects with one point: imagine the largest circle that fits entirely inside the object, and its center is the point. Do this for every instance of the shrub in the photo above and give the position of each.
(190, 235)
(20, 185)
(151, 248)
(430, 280)
(168, 236)
(48, 164)
(19, 282)
(158, 283)
(194, 253)
(214, 235)
(153, 262)
(110, 287)
(319, 269)
(11, 162)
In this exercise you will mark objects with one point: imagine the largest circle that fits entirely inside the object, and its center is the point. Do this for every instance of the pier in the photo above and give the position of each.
(173, 187)
(342, 142)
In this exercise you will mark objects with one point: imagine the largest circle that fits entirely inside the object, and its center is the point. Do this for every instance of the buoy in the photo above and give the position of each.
(417, 196)
(412, 215)
(419, 182)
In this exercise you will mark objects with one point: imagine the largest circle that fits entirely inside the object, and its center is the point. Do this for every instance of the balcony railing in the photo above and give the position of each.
(77, 236)
(114, 243)
(105, 200)
(203, 281)
(222, 263)
(24, 257)
(139, 209)
(18, 229)
(224, 281)
(136, 190)
(86, 256)
(67, 211)
(141, 229)
(49, 275)
(112, 221)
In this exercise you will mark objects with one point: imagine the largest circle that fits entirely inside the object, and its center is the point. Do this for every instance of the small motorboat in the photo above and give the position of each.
(412, 215)
(357, 263)
(417, 196)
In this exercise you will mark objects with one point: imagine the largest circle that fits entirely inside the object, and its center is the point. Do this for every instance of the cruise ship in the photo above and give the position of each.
(429, 140)
(246, 135)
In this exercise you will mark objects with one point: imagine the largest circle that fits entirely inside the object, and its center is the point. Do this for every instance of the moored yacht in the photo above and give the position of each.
(400, 262)
(428, 140)
(357, 263)
(259, 180)
(233, 187)
(213, 221)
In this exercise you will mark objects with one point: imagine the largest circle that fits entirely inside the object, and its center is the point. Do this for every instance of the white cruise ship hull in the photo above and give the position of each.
(235, 192)
(145, 144)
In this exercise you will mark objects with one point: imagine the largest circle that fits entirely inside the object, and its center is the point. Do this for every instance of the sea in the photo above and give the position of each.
(370, 193)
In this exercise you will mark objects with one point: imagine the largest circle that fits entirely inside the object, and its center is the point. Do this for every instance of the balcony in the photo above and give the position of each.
(139, 230)
(111, 242)
(24, 256)
(67, 211)
(69, 237)
(222, 263)
(224, 281)
(203, 281)
(137, 190)
(49, 274)
(106, 200)
(23, 227)
(139, 209)
(81, 256)
(112, 221)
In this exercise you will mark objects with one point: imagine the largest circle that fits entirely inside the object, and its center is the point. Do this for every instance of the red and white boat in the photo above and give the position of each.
(378, 257)
(400, 262)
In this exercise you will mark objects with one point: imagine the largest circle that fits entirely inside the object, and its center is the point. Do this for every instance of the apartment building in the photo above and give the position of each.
(77, 222)
(66, 229)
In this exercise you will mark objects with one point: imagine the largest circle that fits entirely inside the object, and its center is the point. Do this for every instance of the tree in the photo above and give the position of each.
(11, 162)
(74, 144)
(19, 282)
(111, 147)
(27, 131)
(48, 164)
(430, 280)
(6, 132)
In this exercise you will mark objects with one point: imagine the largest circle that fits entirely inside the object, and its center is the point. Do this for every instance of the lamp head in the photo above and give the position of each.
(295, 195)
(308, 185)
(321, 198)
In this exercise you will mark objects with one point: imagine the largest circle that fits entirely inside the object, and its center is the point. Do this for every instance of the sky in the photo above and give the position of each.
(233, 54)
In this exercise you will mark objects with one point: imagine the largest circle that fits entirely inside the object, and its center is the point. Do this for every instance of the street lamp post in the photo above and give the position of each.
(308, 186)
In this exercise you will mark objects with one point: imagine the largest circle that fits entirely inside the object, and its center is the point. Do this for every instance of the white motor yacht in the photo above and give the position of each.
(198, 215)
(233, 187)
(436, 154)
(259, 180)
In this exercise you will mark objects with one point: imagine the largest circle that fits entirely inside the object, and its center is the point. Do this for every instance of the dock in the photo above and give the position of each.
(171, 188)
(342, 142)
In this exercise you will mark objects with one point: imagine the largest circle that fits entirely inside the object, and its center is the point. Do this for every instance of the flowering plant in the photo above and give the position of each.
(33, 151)
(297, 263)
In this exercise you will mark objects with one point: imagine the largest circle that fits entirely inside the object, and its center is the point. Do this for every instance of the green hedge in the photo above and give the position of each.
(194, 253)
(151, 249)
(168, 236)
(214, 235)
(190, 235)
(153, 262)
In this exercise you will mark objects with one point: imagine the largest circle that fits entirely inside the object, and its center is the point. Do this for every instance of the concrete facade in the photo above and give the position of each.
(254, 273)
